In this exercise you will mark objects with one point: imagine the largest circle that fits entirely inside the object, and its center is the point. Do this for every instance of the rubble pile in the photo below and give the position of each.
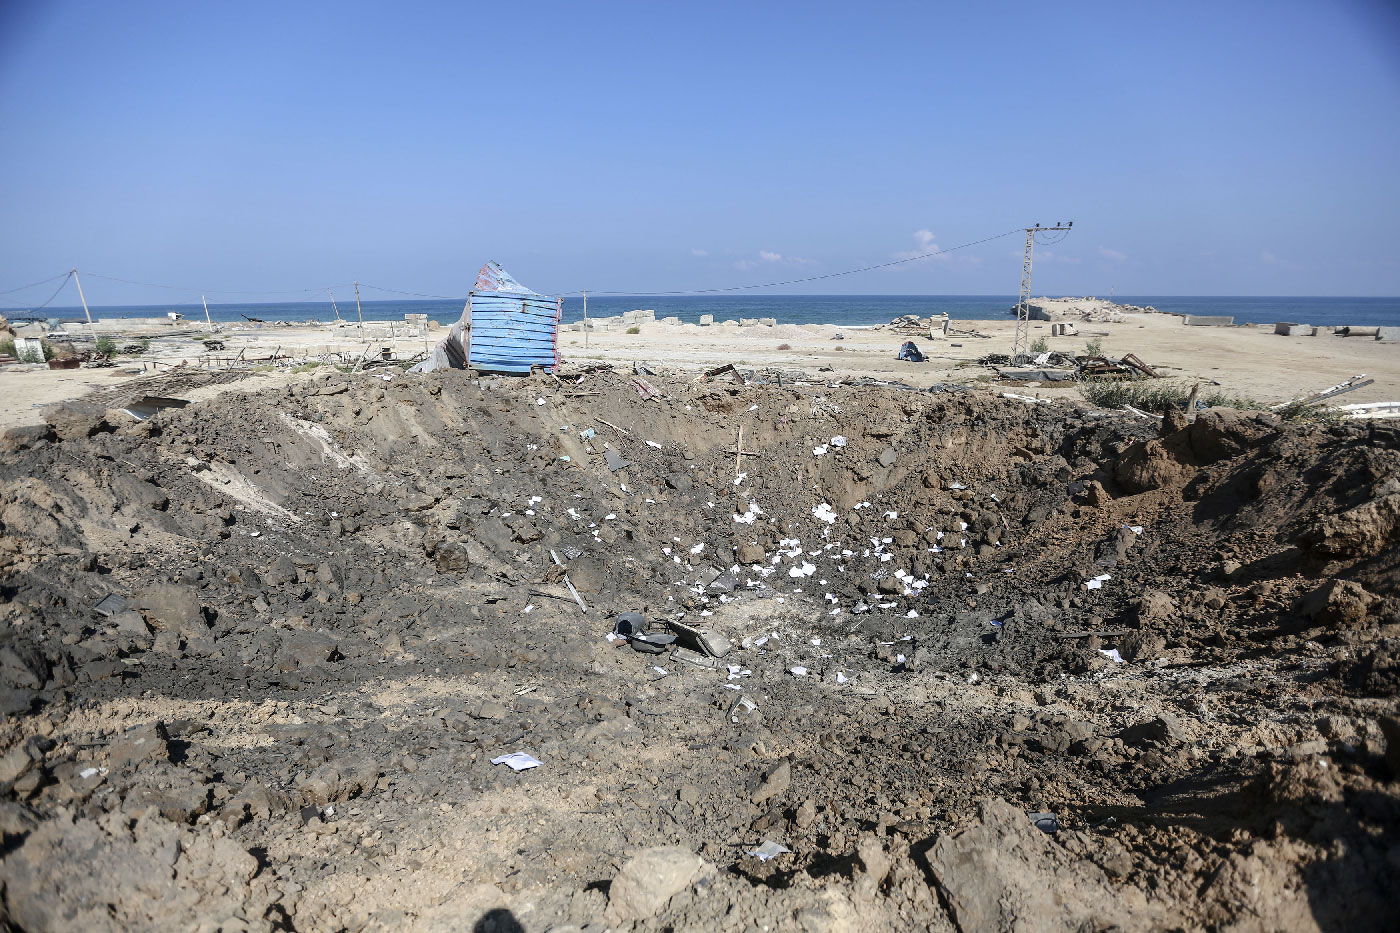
(372, 652)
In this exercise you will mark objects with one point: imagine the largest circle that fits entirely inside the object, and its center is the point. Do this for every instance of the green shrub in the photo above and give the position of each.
(31, 356)
(1094, 347)
(7, 346)
(1156, 395)
(634, 330)
(1040, 345)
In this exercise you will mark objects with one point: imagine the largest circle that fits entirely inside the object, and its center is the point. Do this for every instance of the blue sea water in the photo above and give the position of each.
(843, 310)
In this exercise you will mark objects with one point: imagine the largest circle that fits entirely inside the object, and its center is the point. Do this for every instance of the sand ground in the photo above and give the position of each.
(1247, 360)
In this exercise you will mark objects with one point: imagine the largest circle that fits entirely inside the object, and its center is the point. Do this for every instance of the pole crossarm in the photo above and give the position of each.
(1020, 347)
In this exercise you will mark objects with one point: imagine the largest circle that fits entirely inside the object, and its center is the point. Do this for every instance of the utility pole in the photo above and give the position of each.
(1021, 346)
(206, 313)
(585, 319)
(359, 311)
(74, 273)
(333, 305)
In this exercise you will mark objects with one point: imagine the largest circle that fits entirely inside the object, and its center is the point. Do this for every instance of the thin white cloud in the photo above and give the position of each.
(699, 252)
(768, 257)
(924, 244)
(1113, 254)
(1268, 258)
(1046, 255)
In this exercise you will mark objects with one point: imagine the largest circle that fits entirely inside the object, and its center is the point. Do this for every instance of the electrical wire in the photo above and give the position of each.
(210, 291)
(66, 277)
(380, 288)
(811, 278)
(61, 275)
(395, 291)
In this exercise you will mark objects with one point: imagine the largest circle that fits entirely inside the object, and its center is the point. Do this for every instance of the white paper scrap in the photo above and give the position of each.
(1098, 582)
(824, 513)
(1113, 655)
(518, 761)
(799, 671)
(840, 677)
(769, 849)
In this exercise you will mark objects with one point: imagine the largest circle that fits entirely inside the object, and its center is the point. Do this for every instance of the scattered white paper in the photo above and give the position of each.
(1098, 582)
(87, 773)
(769, 849)
(539, 401)
(1113, 655)
(838, 441)
(517, 761)
(840, 677)
(750, 516)
(799, 671)
(824, 513)
(659, 670)
(818, 451)
(739, 480)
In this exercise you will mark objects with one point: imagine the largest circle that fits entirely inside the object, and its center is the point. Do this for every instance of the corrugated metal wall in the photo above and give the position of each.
(511, 331)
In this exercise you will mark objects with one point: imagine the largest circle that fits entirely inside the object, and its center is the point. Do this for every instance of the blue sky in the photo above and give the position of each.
(1200, 148)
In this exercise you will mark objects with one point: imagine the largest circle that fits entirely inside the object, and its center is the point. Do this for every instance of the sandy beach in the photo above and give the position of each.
(1249, 360)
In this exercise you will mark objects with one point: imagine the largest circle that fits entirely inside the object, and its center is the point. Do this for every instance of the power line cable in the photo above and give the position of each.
(61, 275)
(811, 278)
(210, 291)
(380, 288)
(66, 277)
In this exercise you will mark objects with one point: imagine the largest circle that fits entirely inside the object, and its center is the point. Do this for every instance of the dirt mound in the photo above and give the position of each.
(261, 652)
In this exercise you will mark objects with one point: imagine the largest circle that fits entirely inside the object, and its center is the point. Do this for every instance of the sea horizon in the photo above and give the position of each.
(839, 310)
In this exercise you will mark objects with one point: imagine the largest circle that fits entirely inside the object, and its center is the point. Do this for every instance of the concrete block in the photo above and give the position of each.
(670, 320)
(768, 321)
(748, 322)
(706, 320)
(1208, 320)
(1293, 330)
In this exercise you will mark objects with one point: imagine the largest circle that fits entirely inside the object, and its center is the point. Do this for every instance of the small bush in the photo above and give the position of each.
(7, 347)
(634, 330)
(306, 367)
(1156, 396)
(106, 346)
(1094, 347)
(1040, 345)
(31, 355)
(788, 346)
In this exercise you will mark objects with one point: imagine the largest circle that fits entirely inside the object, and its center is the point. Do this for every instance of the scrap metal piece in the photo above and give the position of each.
(148, 405)
(110, 605)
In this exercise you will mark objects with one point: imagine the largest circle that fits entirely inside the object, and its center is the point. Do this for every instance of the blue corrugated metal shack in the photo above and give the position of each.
(509, 328)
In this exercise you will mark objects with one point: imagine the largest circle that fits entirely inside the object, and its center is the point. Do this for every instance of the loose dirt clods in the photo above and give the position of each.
(337, 604)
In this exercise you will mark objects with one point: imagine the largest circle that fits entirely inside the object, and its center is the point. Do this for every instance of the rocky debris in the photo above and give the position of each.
(649, 879)
(330, 631)
(775, 781)
(1002, 873)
